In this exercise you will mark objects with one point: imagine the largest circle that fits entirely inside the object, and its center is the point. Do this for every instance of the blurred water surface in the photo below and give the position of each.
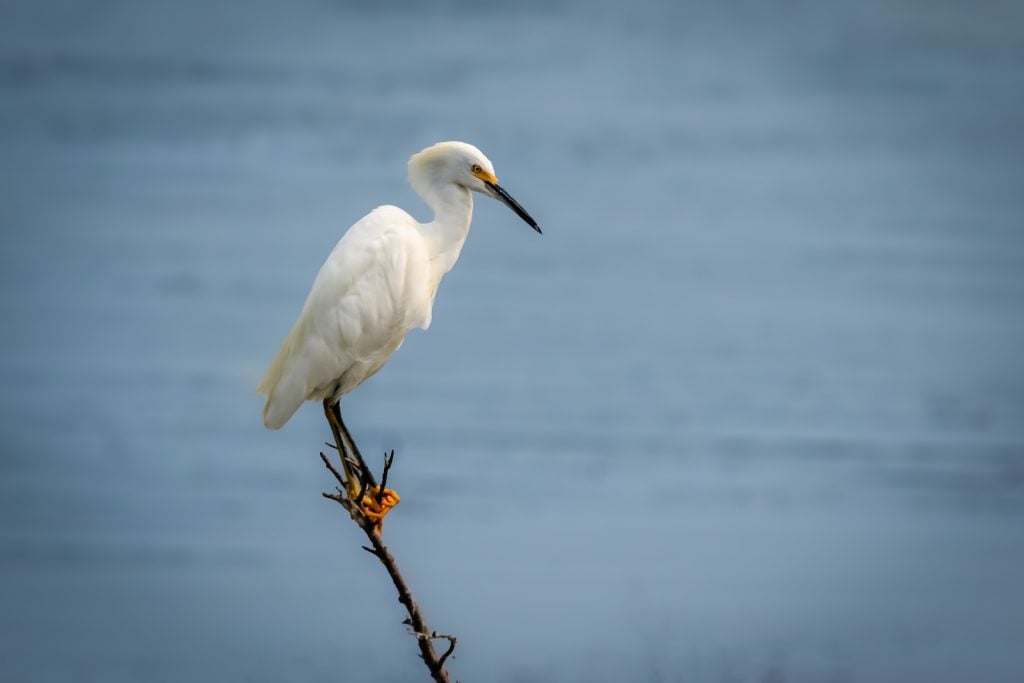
(752, 409)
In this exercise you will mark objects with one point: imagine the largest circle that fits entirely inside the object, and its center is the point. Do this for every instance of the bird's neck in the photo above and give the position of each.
(453, 211)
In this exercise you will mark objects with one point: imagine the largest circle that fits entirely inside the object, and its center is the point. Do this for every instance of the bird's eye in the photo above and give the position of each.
(476, 168)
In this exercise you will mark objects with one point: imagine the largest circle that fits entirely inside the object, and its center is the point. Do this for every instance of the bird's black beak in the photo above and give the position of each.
(499, 193)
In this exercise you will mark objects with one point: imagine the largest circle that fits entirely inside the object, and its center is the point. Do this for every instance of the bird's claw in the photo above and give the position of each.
(376, 503)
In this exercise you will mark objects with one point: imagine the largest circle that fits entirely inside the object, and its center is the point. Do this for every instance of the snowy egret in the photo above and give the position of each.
(378, 283)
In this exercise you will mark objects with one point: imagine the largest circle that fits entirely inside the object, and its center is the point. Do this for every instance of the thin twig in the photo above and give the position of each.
(352, 461)
(336, 473)
(388, 461)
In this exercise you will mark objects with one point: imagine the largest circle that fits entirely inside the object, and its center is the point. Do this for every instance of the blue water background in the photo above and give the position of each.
(752, 409)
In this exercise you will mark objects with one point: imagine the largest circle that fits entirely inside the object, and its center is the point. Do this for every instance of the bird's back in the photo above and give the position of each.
(374, 287)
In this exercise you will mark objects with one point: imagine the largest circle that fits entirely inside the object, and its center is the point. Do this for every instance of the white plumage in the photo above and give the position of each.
(379, 282)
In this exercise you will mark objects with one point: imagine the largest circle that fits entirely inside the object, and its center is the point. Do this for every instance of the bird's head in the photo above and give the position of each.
(459, 163)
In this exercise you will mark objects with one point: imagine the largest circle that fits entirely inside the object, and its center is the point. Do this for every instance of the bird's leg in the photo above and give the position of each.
(365, 475)
(375, 501)
(352, 480)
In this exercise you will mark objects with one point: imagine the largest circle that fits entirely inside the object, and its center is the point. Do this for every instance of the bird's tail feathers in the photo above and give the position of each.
(282, 403)
(284, 390)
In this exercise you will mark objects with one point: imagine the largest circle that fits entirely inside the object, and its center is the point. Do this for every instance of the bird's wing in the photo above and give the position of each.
(355, 308)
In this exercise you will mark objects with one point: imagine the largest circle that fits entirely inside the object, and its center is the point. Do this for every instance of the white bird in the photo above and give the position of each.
(378, 283)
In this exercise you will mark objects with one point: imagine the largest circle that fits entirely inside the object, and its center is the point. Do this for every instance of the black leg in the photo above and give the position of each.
(350, 444)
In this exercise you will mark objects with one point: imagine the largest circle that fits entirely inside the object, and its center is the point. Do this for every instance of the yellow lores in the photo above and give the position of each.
(483, 175)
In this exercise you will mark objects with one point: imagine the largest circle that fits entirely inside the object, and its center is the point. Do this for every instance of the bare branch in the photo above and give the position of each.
(336, 473)
(388, 461)
(356, 470)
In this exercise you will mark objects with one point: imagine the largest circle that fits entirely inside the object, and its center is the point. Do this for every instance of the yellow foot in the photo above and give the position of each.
(377, 504)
